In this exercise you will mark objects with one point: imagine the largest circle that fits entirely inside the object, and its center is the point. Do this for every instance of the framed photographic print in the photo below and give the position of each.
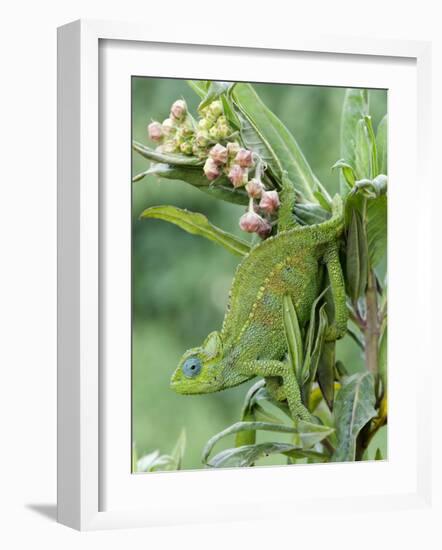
(228, 216)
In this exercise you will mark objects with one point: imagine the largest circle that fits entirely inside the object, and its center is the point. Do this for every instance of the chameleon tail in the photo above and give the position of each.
(324, 231)
(286, 220)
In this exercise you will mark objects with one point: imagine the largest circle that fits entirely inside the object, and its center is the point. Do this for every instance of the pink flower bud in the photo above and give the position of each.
(211, 169)
(254, 188)
(238, 175)
(155, 131)
(218, 154)
(251, 222)
(179, 109)
(269, 201)
(264, 229)
(244, 158)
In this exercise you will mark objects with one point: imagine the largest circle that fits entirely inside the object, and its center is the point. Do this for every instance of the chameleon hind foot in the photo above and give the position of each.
(338, 328)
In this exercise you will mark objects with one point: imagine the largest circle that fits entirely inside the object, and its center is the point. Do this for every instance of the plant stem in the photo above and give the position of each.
(372, 326)
(356, 317)
(328, 446)
(371, 333)
(370, 430)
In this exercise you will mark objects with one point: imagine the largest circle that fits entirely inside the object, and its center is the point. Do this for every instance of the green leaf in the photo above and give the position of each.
(306, 434)
(326, 372)
(145, 463)
(293, 336)
(134, 458)
(374, 167)
(311, 364)
(263, 396)
(383, 349)
(154, 461)
(254, 141)
(140, 176)
(356, 339)
(356, 266)
(313, 456)
(354, 407)
(214, 91)
(264, 133)
(372, 189)
(248, 455)
(256, 396)
(313, 339)
(354, 108)
(178, 451)
(244, 427)
(341, 371)
(382, 145)
(199, 86)
(375, 191)
(230, 114)
(363, 151)
(367, 155)
(221, 188)
(310, 434)
(378, 455)
(168, 158)
(310, 213)
(347, 171)
(198, 224)
(319, 343)
(377, 229)
(248, 415)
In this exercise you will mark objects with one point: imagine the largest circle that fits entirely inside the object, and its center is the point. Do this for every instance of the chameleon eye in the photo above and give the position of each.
(191, 367)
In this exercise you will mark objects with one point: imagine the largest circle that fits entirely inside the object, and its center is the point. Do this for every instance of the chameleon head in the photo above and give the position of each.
(199, 370)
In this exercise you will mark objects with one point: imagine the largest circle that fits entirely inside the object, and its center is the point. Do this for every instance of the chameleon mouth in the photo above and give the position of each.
(185, 388)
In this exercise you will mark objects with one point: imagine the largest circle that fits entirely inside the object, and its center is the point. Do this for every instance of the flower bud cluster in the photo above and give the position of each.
(180, 133)
(212, 128)
(259, 214)
(175, 133)
(210, 139)
(229, 159)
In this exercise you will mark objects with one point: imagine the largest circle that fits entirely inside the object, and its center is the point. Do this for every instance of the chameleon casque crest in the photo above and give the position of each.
(252, 339)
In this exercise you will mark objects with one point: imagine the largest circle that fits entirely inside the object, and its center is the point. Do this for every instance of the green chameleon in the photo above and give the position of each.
(252, 340)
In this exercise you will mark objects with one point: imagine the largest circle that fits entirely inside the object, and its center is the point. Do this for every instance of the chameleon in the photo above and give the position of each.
(252, 339)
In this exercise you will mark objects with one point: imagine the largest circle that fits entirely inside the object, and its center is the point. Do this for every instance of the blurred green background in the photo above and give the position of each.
(181, 281)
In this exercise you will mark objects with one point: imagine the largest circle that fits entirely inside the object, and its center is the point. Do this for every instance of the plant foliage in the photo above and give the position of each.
(346, 410)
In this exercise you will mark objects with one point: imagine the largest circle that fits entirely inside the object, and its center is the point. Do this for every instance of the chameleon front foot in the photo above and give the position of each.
(289, 388)
(275, 388)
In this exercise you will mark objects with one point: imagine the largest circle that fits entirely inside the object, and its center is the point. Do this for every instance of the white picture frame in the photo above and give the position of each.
(84, 467)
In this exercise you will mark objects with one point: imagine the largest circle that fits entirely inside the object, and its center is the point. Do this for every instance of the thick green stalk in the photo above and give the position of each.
(372, 326)
(371, 333)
